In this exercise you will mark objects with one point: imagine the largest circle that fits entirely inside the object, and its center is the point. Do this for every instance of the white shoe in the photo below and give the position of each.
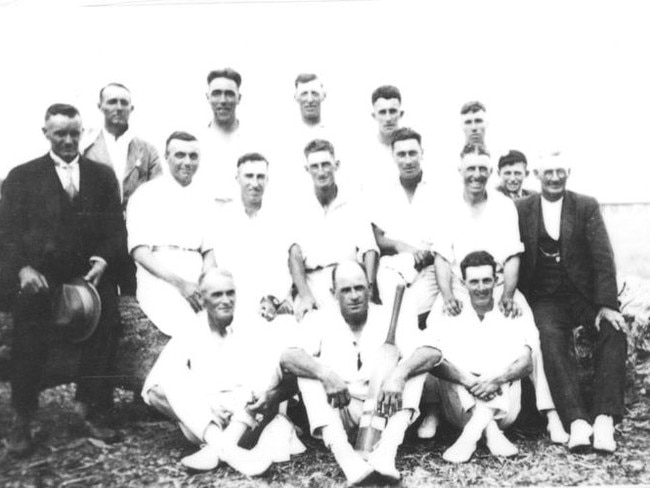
(205, 459)
(247, 462)
(459, 452)
(604, 434)
(499, 445)
(354, 467)
(278, 440)
(384, 465)
(358, 475)
(429, 426)
(555, 428)
(579, 439)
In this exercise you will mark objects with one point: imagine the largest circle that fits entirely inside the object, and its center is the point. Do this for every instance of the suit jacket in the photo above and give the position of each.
(39, 226)
(586, 252)
(142, 162)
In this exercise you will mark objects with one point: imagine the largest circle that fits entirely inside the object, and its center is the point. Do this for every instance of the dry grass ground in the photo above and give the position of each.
(150, 452)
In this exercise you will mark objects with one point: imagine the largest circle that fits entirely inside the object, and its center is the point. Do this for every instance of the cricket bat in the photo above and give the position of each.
(372, 424)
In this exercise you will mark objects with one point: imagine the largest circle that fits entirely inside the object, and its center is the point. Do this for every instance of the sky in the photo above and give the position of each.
(572, 75)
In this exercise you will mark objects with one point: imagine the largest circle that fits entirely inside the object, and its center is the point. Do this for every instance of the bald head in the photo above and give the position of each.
(350, 288)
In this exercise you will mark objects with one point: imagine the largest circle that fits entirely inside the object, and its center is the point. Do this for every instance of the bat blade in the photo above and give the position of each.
(372, 424)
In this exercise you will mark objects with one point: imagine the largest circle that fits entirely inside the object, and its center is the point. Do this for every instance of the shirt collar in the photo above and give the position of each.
(126, 136)
(60, 162)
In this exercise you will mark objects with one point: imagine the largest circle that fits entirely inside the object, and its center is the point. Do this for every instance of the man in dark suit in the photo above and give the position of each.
(569, 278)
(60, 218)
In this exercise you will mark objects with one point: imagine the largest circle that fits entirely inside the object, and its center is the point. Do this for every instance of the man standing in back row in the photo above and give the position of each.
(134, 160)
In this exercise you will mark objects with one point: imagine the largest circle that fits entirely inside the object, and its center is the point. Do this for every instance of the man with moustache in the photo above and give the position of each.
(569, 278)
(170, 238)
(60, 219)
(134, 160)
(330, 227)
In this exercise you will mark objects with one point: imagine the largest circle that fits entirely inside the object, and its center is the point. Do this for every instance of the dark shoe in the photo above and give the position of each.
(19, 441)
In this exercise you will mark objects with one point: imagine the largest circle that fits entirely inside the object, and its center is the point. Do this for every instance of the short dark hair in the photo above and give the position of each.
(229, 73)
(119, 85)
(479, 149)
(403, 134)
(477, 258)
(305, 78)
(61, 109)
(472, 107)
(252, 156)
(319, 145)
(513, 157)
(387, 92)
(181, 136)
(336, 267)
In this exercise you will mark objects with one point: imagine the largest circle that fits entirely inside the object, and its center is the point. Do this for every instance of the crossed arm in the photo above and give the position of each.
(296, 361)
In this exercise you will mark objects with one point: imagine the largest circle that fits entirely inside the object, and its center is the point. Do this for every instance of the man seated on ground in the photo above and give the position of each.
(493, 352)
(402, 211)
(335, 365)
(330, 228)
(168, 232)
(254, 240)
(569, 277)
(205, 380)
(482, 220)
(513, 170)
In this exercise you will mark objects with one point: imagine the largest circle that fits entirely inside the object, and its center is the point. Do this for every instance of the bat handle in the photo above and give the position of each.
(397, 305)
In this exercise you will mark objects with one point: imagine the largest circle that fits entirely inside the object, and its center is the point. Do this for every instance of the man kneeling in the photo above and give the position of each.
(335, 365)
(205, 380)
(490, 354)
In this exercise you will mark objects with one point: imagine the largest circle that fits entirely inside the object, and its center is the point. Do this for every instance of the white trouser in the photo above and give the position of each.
(320, 284)
(322, 414)
(421, 291)
(162, 302)
(192, 406)
(456, 402)
(544, 401)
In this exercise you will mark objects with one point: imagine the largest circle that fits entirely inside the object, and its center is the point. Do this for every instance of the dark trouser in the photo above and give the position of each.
(126, 276)
(556, 319)
(33, 335)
